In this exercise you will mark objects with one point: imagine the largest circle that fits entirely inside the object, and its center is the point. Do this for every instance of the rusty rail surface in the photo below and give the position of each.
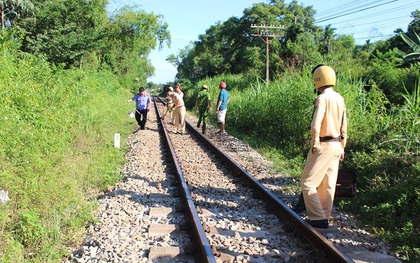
(307, 231)
(282, 209)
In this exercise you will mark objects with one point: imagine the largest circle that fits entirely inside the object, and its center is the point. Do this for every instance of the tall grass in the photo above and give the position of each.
(56, 151)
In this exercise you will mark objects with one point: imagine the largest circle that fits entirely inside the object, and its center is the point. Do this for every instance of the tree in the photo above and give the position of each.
(64, 31)
(415, 24)
(229, 47)
(326, 39)
(128, 39)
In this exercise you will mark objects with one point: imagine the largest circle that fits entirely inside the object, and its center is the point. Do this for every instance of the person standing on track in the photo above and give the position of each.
(202, 103)
(221, 108)
(179, 111)
(328, 139)
(142, 107)
(169, 105)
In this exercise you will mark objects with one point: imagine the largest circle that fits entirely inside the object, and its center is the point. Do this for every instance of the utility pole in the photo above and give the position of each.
(267, 34)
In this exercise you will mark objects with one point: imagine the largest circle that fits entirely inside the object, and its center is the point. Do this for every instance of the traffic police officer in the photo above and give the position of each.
(328, 139)
(179, 110)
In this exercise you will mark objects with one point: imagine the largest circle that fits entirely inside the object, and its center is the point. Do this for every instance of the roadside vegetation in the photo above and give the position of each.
(67, 68)
(57, 151)
(66, 71)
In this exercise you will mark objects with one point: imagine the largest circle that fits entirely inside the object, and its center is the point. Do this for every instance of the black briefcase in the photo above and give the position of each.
(346, 183)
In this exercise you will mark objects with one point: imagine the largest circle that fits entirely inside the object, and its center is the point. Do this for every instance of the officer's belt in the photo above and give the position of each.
(330, 139)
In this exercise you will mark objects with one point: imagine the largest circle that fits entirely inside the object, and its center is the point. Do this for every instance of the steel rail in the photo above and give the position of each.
(332, 253)
(310, 233)
(199, 235)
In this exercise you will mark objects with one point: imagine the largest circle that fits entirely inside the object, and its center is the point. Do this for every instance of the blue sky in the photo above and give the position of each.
(187, 19)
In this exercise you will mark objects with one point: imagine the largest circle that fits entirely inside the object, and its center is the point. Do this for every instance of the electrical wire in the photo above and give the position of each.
(371, 37)
(353, 12)
(339, 7)
(380, 13)
(338, 11)
(345, 8)
(354, 7)
(370, 23)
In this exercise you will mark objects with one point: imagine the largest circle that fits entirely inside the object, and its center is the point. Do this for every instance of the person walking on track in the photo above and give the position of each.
(179, 111)
(169, 105)
(221, 108)
(328, 139)
(142, 107)
(202, 103)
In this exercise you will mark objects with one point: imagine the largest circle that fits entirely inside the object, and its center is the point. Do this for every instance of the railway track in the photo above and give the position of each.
(184, 200)
(232, 195)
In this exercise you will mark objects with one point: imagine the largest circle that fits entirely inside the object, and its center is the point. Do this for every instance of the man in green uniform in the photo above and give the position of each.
(328, 139)
(202, 103)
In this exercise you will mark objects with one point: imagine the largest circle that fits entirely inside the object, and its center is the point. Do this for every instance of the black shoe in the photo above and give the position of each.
(198, 125)
(142, 128)
(319, 223)
(299, 208)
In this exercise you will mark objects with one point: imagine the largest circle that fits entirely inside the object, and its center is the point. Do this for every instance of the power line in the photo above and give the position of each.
(382, 24)
(383, 12)
(366, 38)
(371, 12)
(267, 33)
(346, 8)
(349, 13)
(375, 22)
(339, 7)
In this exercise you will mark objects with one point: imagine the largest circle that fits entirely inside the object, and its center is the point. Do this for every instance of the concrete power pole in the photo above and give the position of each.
(267, 34)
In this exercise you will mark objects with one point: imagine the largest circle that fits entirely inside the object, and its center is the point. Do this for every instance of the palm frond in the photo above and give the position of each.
(413, 42)
(412, 57)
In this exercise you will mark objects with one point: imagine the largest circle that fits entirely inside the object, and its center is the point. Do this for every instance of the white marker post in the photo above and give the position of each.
(117, 140)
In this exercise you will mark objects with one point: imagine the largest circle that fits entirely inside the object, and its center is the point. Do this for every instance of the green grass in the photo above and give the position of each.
(56, 154)
(383, 145)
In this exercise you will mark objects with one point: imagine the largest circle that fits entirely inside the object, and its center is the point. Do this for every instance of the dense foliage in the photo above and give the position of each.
(65, 73)
(79, 33)
(56, 147)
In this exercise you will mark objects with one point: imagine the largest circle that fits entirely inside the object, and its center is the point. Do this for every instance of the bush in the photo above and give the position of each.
(56, 152)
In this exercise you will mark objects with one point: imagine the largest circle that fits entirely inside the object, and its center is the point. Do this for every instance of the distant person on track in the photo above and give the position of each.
(142, 107)
(221, 108)
(179, 111)
(328, 139)
(202, 103)
(169, 105)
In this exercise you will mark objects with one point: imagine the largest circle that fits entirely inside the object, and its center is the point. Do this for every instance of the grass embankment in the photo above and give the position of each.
(56, 151)
(383, 145)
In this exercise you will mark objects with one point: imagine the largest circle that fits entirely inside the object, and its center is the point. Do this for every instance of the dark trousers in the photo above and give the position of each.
(141, 117)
